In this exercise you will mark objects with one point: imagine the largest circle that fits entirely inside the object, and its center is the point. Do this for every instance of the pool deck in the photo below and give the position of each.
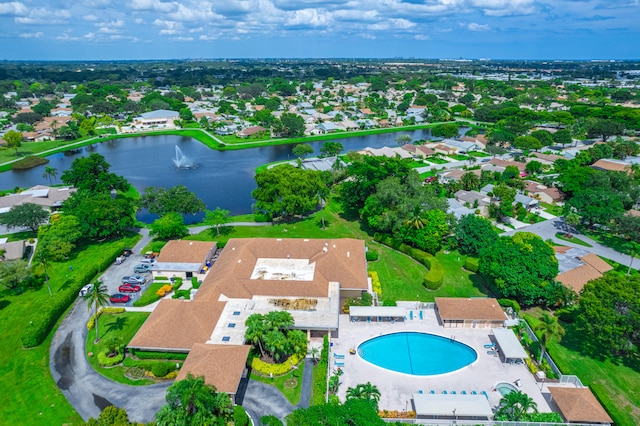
(397, 389)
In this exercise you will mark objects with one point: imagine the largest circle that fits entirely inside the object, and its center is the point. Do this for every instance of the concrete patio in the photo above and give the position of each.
(396, 389)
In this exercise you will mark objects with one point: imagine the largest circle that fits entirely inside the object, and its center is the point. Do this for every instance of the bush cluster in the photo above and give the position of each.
(240, 417)
(375, 283)
(510, 303)
(432, 279)
(471, 264)
(275, 369)
(158, 355)
(106, 361)
(185, 294)
(160, 369)
(395, 414)
(92, 321)
(167, 288)
(43, 320)
(371, 255)
(29, 162)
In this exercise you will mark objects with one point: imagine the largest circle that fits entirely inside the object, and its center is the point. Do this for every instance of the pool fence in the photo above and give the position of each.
(440, 422)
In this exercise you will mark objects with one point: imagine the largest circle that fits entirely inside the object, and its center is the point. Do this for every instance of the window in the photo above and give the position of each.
(232, 325)
(236, 313)
(226, 338)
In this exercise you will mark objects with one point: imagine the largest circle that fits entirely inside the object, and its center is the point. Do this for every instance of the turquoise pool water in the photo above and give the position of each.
(419, 354)
(505, 388)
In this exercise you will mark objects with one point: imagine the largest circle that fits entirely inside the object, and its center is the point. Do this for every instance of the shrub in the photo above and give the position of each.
(509, 303)
(532, 367)
(240, 417)
(471, 264)
(92, 321)
(158, 355)
(176, 284)
(160, 369)
(106, 361)
(267, 369)
(185, 294)
(371, 255)
(375, 283)
(168, 288)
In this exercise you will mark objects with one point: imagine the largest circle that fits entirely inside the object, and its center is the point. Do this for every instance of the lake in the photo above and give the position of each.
(221, 179)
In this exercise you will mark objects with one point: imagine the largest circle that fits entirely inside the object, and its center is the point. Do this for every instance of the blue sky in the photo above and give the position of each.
(161, 29)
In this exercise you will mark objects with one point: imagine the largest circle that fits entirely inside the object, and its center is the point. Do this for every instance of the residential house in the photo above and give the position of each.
(327, 127)
(250, 131)
(474, 200)
(473, 312)
(386, 151)
(184, 259)
(456, 208)
(461, 147)
(542, 192)
(504, 163)
(526, 201)
(547, 159)
(577, 267)
(579, 405)
(47, 197)
(157, 118)
(612, 165)
(14, 250)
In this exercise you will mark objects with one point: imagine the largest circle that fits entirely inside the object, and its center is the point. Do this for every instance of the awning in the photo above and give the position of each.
(376, 311)
(453, 406)
(509, 344)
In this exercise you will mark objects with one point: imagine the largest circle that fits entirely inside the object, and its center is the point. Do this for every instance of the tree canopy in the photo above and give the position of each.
(170, 226)
(523, 267)
(91, 174)
(177, 199)
(101, 216)
(474, 234)
(286, 191)
(359, 412)
(27, 215)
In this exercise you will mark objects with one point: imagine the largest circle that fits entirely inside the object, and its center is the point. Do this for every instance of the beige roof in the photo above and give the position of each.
(13, 250)
(40, 194)
(183, 251)
(548, 157)
(576, 278)
(579, 405)
(482, 309)
(178, 324)
(595, 261)
(221, 365)
(340, 260)
(503, 163)
(614, 166)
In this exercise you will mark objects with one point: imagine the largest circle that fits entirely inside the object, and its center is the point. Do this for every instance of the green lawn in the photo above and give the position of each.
(478, 154)
(32, 395)
(552, 209)
(149, 296)
(574, 240)
(620, 384)
(289, 384)
(458, 157)
(123, 327)
(608, 239)
(436, 160)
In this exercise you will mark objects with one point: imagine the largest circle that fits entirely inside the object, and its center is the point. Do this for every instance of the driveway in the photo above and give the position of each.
(548, 229)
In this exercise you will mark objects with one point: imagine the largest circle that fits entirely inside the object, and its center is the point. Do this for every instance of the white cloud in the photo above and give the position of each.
(38, 34)
(478, 27)
(182, 38)
(308, 17)
(13, 8)
(505, 7)
(90, 18)
(421, 37)
(154, 5)
(44, 16)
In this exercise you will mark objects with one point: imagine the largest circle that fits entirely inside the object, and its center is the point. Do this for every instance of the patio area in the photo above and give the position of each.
(396, 389)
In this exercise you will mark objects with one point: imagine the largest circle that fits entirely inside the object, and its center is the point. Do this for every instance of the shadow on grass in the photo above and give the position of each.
(4, 304)
(482, 284)
(117, 325)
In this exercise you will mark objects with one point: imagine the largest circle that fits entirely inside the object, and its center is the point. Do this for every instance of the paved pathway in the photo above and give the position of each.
(198, 229)
(548, 229)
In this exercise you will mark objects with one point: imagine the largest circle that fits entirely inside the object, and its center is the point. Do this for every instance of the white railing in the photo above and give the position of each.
(440, 422)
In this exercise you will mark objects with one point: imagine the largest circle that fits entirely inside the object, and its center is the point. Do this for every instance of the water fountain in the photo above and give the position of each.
(182, 161)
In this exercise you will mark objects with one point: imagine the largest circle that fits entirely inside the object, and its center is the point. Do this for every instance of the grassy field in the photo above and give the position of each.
(122, 327)
(552, 209)
(289, 384)
(620, 383)
(32, 396)
(574, 240)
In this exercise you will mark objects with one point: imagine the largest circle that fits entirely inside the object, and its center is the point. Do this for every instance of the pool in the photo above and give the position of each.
(418, 354)
(505, 388)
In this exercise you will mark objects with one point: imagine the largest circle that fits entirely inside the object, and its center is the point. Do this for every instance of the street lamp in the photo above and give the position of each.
(454, 416)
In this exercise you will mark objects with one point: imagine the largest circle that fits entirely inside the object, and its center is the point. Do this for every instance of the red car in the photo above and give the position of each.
(119, 298)
(129, 288)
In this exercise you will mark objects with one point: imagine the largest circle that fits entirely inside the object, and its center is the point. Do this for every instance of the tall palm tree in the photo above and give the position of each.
(367, 392)
(550, 328)
(255, 331)
(416, 220)
(96, 299)
(50, 173)
(514, 406)
(278, 320)
(42, 257)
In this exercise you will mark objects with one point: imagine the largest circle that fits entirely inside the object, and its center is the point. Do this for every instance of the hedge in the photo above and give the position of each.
(92, 321)
(240, 417)
(158, 355)
(160, 369)
(471, 264)
(43, 320)
(375, 283)
(275, 369)
(106, 361)
(371, 255)
(509, 303)
(432, 279)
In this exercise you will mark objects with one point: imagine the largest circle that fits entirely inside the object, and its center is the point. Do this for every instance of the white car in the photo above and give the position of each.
(85, 290)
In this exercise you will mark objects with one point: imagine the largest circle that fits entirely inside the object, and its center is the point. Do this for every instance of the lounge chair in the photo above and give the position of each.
(420, 391)
(474, 393)
(411, 315)
(339, 363)
(432, 392)
(421, 315)
(485, 394)
(490, 345)
(463, 393)
(491, 352)
(444, 392)
(454, 393)
(338, 356)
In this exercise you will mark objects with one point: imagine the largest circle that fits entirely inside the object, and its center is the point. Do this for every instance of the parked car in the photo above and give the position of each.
(133, 279)
(120, 298)
(129, 288)
(85, 290)
(142, 267)
(127, 252)
(147, 260)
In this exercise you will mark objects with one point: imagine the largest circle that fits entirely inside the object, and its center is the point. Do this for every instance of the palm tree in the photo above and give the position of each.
(550, 328)
(54, 128)
(297, 341)
(255, 331)
(278, 320)
(50, 173)
(367, 392)
(42, 257)
(276, 344)
(514, 406)
(416, 220)
(314, 354)
(96, 298)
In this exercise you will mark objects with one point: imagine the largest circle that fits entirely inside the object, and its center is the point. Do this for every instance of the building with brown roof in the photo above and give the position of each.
(543, 193)
(184, 259)
(472, 312)
(579, 405)
(503, 163)
(612, 165)
(307, 277)
(578, 267)
(45, 196)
